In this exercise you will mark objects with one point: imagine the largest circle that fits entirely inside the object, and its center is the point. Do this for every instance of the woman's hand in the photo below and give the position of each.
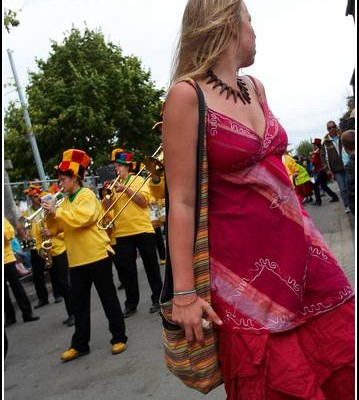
(49, 206)
(188, 312)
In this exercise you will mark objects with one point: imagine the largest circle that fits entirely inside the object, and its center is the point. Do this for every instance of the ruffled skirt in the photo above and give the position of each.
(313, 362)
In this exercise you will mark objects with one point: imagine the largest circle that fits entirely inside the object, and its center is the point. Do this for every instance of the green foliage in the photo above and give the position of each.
(10, 19)
(86, 95)
(304, 148)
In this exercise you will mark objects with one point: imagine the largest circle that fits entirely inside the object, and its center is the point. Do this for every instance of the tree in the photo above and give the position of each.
(10, 19)
(304, 149)
(86, 95)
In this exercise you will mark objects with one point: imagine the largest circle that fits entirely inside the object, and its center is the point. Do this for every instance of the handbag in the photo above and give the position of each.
(196, 366)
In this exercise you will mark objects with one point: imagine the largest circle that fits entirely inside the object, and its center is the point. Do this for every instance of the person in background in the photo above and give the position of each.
(332, 161)
(299, 177)
(281, 303)
(88, 251)
(11, 277)
(133, 230)
(58, 270)
(33, 233)
(320, 176)
(157, 189)
(348, 141)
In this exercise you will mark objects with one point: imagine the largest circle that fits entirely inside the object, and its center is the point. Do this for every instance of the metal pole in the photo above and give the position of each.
(35, 150)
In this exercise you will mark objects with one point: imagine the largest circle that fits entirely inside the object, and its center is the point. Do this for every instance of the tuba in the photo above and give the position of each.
(153, 165)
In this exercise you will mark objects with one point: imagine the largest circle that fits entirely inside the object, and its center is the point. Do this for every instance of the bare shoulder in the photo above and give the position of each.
(181, 94)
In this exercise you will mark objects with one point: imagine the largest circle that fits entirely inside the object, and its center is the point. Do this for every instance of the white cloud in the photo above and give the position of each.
(305, 49)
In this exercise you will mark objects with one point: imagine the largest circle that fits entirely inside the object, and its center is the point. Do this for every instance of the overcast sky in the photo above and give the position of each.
(305, 49)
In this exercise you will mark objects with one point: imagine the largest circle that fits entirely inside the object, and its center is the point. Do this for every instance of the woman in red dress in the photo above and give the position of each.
(282, 304)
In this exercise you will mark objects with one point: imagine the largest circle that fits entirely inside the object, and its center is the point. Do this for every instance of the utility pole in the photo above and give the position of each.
(35, 150)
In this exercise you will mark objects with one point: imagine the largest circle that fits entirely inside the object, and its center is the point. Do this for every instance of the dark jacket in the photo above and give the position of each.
(331, 159)
(350, 180)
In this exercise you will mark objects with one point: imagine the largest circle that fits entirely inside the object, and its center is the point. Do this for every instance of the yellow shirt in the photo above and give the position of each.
(290, 166)
(35, 230)
(134, 219)
(9, 234)
(157, 189)
(58, 244)
(85, 243)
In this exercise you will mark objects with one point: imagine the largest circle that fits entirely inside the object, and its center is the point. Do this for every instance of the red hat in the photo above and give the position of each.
(74, 160)
(33, 189)
(317, 141)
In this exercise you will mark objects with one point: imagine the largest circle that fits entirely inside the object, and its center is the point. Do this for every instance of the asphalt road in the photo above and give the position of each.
(33, 370)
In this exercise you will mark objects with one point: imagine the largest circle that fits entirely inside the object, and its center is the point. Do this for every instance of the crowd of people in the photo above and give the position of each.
(282, 307)
(63, 233)
(331, 159)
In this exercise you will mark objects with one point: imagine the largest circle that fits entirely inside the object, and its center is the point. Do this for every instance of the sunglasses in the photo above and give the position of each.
(331, 127)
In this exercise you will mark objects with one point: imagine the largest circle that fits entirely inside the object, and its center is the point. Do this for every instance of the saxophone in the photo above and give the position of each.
(46, 245)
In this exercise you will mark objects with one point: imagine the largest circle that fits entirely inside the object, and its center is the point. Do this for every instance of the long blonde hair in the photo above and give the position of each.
(208, 26)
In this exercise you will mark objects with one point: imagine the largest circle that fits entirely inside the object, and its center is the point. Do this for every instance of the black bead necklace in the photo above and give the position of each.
(242, 93)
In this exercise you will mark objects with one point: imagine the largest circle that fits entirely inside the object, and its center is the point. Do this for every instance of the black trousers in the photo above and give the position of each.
(126, 252)
(11, 277)
(321, 180)
(60, 273)
(82, 277)
(38, 276)
(160, 243)
(117, 266)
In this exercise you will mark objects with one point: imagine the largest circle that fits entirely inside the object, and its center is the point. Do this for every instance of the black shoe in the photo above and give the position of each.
(154, 308)
(68, 320)
(317, 203)
(41, 303)
(9, 322)
(334, 200)
(30, 318)
(122, 286)
(127, 313)
(58, 300)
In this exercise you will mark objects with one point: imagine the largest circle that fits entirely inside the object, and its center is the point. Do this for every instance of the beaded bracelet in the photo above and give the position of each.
(184, 293)
(187, 304)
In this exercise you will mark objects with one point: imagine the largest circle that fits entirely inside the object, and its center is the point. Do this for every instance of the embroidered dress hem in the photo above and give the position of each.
(312, 362)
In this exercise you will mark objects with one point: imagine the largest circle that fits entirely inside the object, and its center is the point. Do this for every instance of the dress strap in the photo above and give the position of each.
(253, 82)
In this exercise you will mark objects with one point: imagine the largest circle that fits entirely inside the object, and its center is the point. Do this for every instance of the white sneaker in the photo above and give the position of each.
(347, 210)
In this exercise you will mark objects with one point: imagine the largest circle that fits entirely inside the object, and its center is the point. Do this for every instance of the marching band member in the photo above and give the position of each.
(11, 276)
(88, 251)
(133, 230)
(157, 190)
(59, 265)
(32, 238)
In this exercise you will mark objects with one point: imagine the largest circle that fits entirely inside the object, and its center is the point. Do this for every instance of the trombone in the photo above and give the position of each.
(41, 211)
(110, 189)
(154, 165)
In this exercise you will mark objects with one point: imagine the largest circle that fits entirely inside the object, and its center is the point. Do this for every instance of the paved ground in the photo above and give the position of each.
(33, 370)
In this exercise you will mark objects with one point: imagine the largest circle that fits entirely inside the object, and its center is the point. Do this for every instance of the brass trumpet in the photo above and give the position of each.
(153, 165)
(41, 211)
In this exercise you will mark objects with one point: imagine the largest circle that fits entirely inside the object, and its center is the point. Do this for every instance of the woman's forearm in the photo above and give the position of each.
(181, 241)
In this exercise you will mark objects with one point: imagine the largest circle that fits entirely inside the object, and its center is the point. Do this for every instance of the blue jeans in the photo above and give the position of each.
(341, 181)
